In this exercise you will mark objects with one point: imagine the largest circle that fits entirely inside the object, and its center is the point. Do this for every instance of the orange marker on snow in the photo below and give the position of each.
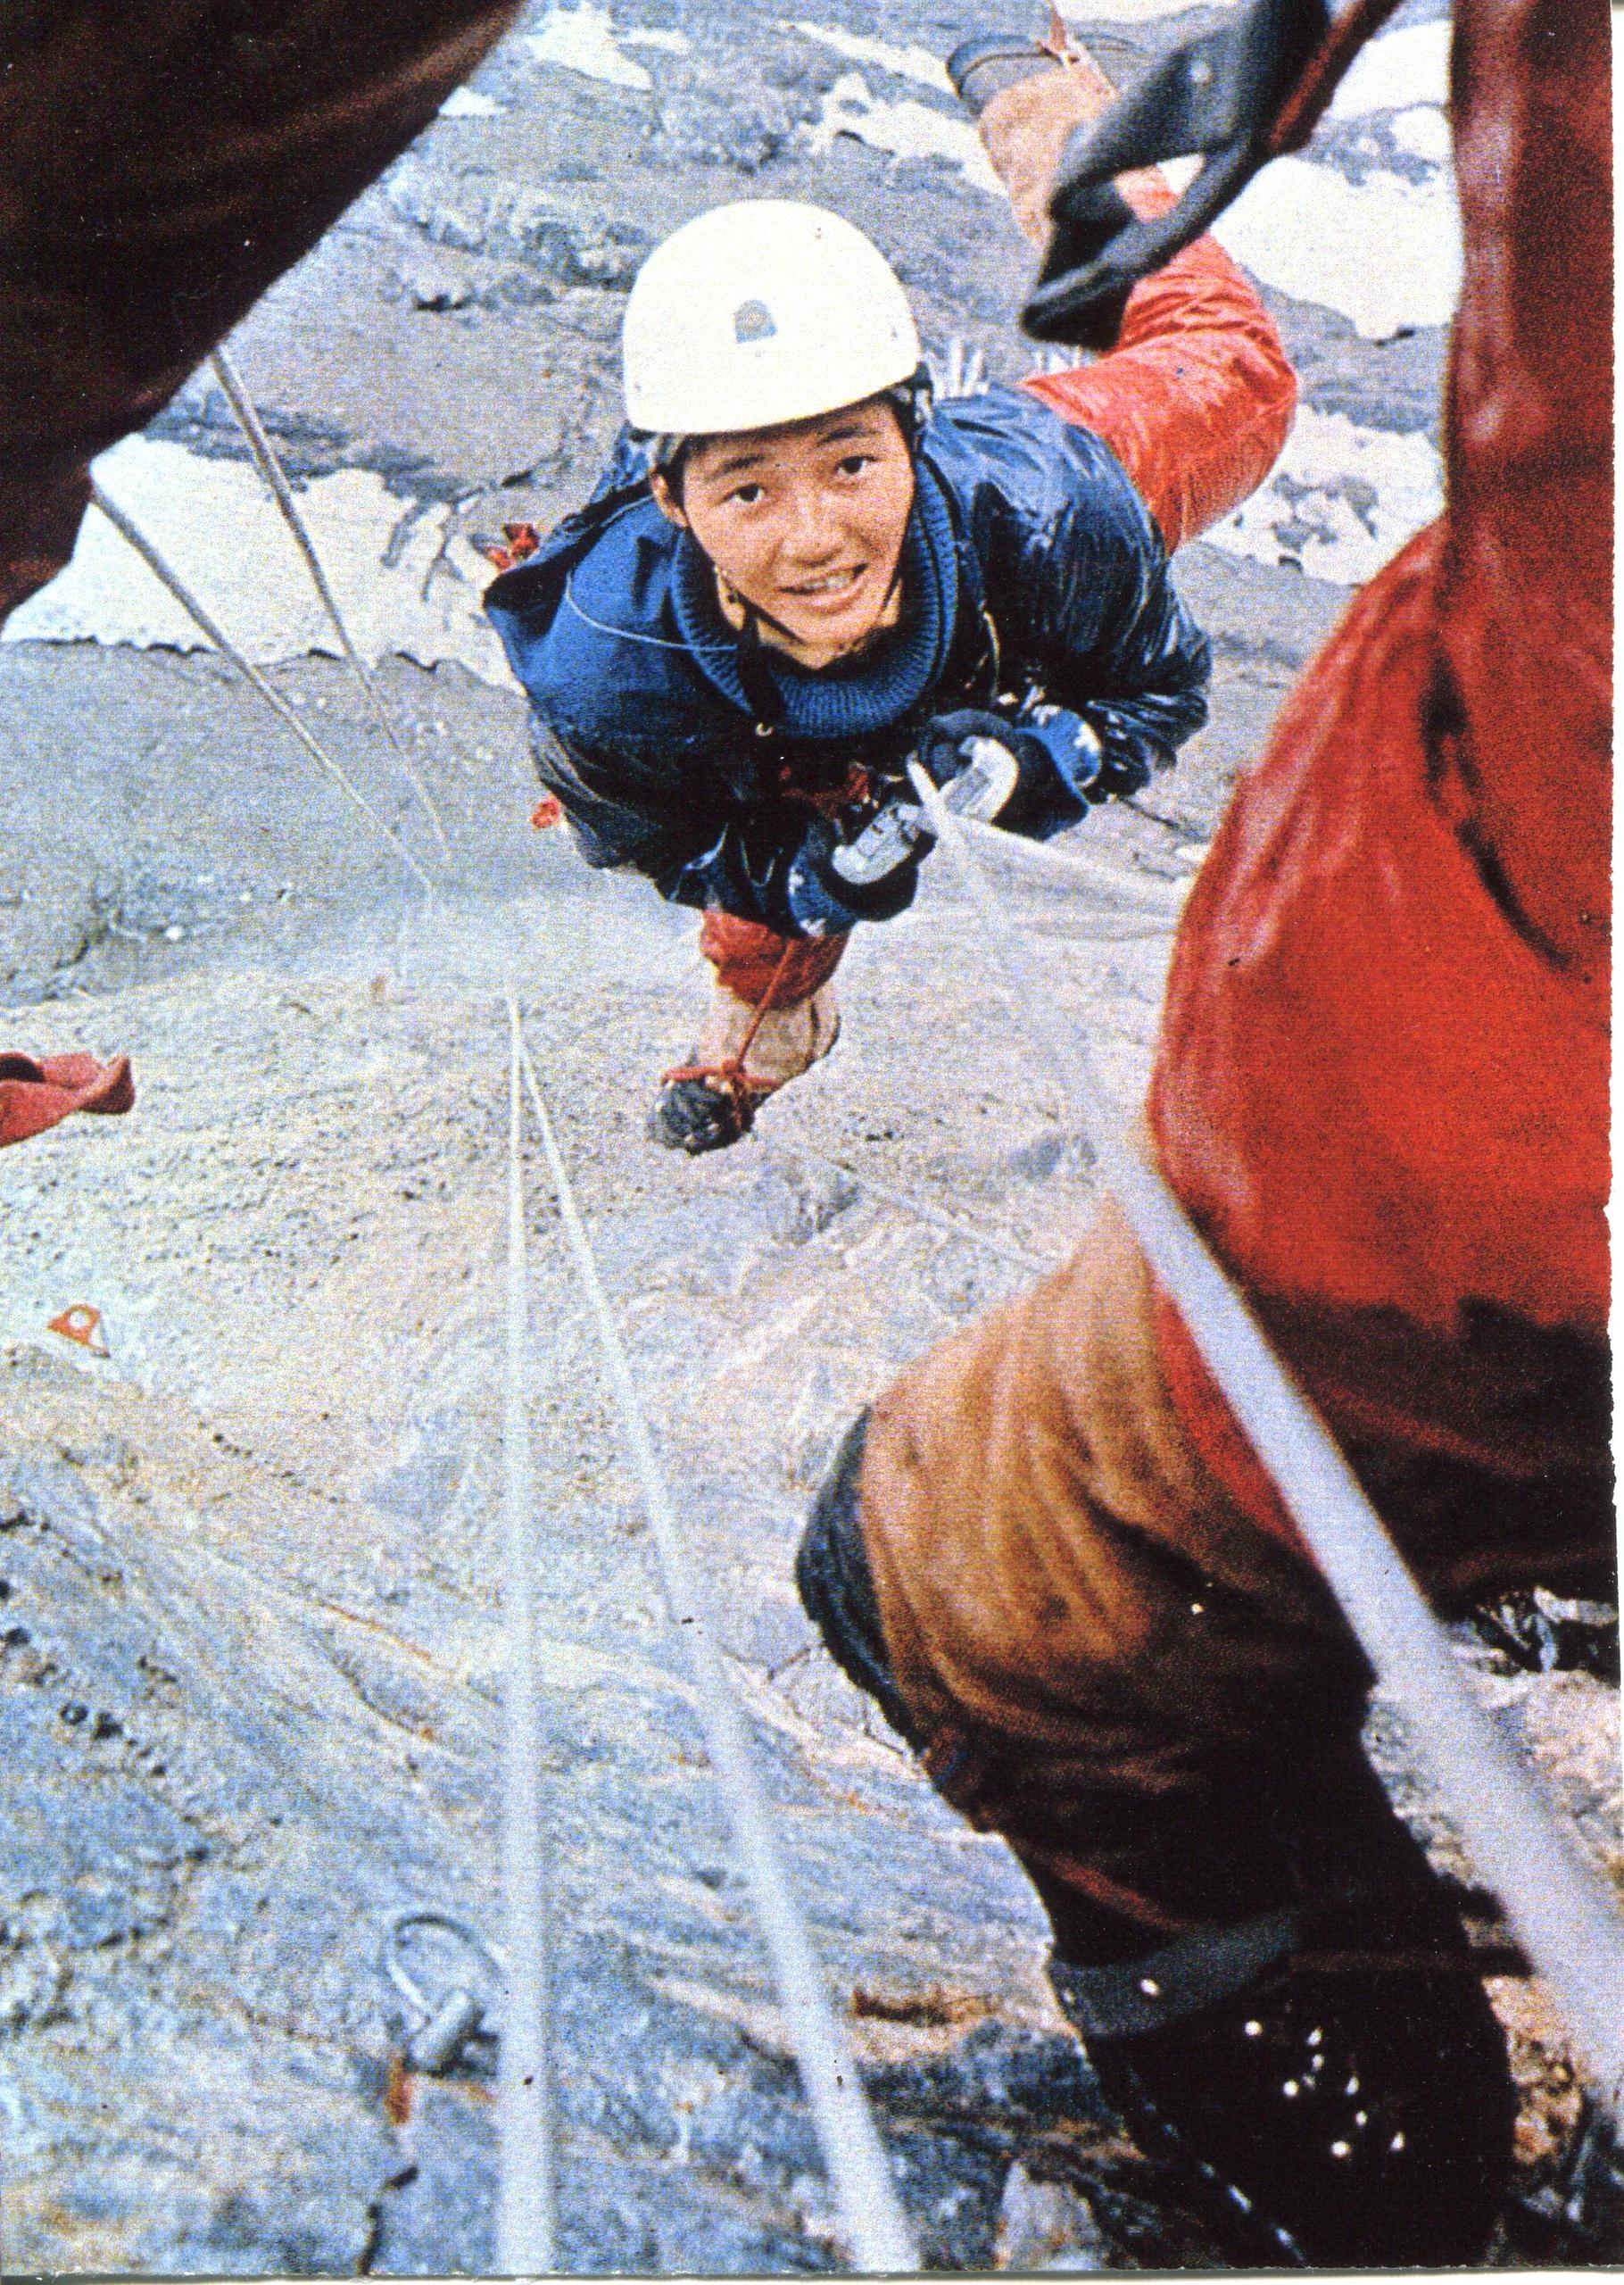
(82, 1324)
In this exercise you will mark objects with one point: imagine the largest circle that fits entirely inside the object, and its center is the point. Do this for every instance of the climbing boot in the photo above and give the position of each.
(1346, 2105)
(1027, 96)
(744, 1054)
(983, 67)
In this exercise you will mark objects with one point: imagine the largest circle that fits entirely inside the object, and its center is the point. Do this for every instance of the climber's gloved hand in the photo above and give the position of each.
(1055, 754)
(872, 875)
(1127, 757)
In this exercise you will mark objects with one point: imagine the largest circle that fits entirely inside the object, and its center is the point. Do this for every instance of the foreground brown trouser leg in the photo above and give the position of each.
(1153, 1700)
(160, 166)
(1151, 1697)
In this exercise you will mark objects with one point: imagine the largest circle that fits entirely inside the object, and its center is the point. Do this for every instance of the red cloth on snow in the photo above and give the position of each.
(33, 1095)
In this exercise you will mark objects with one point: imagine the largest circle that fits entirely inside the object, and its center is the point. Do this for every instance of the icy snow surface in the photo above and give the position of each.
(468, 103)
(1341, 502)
(1404, 67)
(910, 62)
(1385, 252)
(1123, 11)
(401, 583)
(906, 128)
(582, 40)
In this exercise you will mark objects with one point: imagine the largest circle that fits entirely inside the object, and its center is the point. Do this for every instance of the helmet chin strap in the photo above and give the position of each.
(756, 617)
(753, 616)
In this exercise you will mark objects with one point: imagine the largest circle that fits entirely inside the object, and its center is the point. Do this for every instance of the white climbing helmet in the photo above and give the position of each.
(760, 312)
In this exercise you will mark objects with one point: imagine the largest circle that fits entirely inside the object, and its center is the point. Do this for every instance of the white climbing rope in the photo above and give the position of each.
(270, 468)
(1558, 1904)
(525, 2200)
(872, 2221)
(156, 563)
(1141, 892)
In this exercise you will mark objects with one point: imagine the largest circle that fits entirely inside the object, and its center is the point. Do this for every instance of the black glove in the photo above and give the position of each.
(1120, 773)
(1058, 757)
(833, 884)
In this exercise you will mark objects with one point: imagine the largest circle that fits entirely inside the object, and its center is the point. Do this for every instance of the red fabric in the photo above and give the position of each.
(1382, 1084)
(747, 958)
(1525, 598)
(34, 1096)
(1197, 398)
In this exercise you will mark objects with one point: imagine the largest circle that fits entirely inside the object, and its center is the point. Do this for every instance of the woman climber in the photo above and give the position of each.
(798, 572)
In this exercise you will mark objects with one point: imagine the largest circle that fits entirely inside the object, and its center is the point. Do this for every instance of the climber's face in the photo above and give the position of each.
(804, 524)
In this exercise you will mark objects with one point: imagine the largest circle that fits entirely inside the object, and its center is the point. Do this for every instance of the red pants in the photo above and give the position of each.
(756, 965)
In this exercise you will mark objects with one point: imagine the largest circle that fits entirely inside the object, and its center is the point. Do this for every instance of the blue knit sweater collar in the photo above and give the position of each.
(846, 700)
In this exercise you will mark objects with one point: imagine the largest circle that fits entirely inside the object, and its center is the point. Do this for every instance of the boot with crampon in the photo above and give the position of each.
(745, 1054)
(1349, 2106)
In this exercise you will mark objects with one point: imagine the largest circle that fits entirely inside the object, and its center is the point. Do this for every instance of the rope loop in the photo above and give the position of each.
(729, 1079)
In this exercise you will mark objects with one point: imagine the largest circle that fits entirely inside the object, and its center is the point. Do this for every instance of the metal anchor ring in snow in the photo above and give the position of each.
(458, 2015)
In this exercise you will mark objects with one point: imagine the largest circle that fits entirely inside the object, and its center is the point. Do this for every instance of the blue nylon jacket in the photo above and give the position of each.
(677, 748)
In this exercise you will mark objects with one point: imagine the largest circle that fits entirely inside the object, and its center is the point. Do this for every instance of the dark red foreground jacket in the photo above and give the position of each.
(1381, 1086)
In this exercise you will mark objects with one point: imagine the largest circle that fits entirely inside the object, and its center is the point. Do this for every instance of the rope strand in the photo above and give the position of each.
(526, 2200)
(1042, 856)
(282, 492)
(872, 2219)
